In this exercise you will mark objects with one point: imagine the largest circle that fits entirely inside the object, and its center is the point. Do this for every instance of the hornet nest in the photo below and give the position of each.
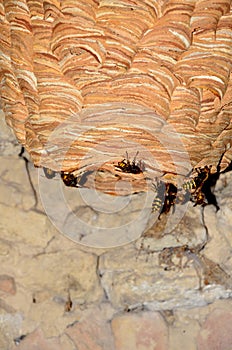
(119, 90)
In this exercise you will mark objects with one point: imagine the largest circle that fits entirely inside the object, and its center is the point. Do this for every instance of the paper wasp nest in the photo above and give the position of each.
(83, 82)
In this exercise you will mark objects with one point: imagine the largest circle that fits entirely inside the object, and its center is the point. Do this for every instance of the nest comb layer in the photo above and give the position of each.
(84, 82)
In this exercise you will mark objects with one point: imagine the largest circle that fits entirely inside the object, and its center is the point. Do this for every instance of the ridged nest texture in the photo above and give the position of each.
(83, 82)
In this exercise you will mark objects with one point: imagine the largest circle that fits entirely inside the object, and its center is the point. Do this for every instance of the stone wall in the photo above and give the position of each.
(168, 289)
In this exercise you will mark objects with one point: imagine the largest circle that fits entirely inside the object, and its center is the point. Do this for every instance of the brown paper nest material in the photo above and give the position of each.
(82, 83)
